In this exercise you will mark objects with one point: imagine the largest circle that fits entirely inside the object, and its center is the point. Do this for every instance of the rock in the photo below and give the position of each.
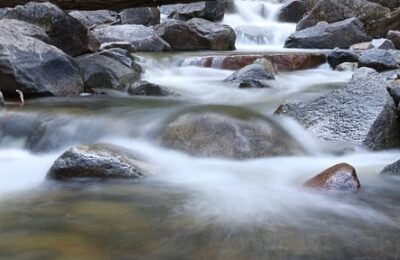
(107, 70)
(209, 10)
(99, 161)
(118, 45)
(341, 34)
(141, 37)
(363, 46)
(142, 15)
(232, 136)
(144, 88)
(332, 11)
(66, 32)
(394, 36)
(197, 34)
(392, 169)
(293, 11)
(351, 114)
(392, 4)
(25, 28)
(347, 66)
(256, 75)
(338, 178)
(383, 44)
(394, 92)
(338, 56)
(92, 19)
(2, 102)
(283, 62)
(36, 68)
(377, 59)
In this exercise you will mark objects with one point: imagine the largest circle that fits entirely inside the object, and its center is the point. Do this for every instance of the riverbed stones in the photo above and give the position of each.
(209, 10)
(197, 34)
(145, 88)
(341, 34)
(338, 178)
(36, 68)
(293, 11)
(141, 37)
(231, 136)
(147, 16)
(392, 169)
(99, 161)
(92, 19)
(394, 36)
(338, 56)
(360, 113)
(65, 32)
(256, 75)
(377, 59)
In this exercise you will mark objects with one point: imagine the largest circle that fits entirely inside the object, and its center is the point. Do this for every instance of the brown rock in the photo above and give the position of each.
(283, 62)
(338, 178)
(394, 36)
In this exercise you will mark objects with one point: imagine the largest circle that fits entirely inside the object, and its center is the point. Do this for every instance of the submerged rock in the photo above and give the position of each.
(100, 161)
(66, 32)
(197, 34)
(215, 134)
(144, 88)
(141, 15)
(392, 169)
(338, 178)
(360, 113)
(209, 10)
(341, 34)
(377, 59)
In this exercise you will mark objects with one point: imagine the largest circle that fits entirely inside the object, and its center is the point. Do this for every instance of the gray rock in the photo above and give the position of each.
(2, 102)
(394, 36)
(392, 169)
(337, 57)
(256, 75)
(144, 88)
(141, 37)
(36, 68)
(92, 19)
(383, 44)
(341, 34)
(66, 32)
(337, 10)
(392, 4)
(293, 11)
(142, 15)
(209, 10)
(228, 135)
(99, 161)
(350, 114)
(107, 70)
(377, 59)
(26, 29)
(119, 45)
(197, 34)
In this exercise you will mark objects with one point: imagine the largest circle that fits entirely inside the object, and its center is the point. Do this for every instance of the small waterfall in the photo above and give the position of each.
(256, 25)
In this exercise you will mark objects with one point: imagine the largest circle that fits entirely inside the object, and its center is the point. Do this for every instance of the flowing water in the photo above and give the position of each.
(200, 208)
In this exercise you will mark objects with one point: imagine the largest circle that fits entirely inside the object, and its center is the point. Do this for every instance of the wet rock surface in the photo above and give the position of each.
(293, 11)
(145, 88)
(142, 15)
(337, 57)
(377, 59)
(209, 10)
(100, 161)
(338, 178)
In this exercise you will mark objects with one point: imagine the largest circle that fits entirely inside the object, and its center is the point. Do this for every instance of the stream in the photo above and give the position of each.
(193, 208)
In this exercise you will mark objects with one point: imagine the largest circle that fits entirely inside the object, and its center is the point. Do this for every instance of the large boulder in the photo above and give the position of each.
(145, 88)
(378, 59)
(141, 37)
(197, 34)
(256, 75)
(332, 11)
(109, 69)
(36, 68)
(228, 135)
(92, 19)
(66, 32)
(25, 28)
(209, 10)
(293, 11)
(99, 161)
(394, 36)
(142, 15)
(341, 34)
(392, 169)
(338, 178)
(359, 113)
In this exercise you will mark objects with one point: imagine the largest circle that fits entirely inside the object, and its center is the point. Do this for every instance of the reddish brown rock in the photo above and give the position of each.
(338, 178)
(283, 62)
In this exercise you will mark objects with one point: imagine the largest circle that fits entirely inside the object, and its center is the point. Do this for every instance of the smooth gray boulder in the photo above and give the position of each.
(142, 15)
(141, 37)
(209, 10)
(197, 34)
(36, 68)
(99, 161)
(145, 88)
(65, 32)
(341, 34)
(92, 19)
(232, 136)
(378, 59)
(360, 113)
